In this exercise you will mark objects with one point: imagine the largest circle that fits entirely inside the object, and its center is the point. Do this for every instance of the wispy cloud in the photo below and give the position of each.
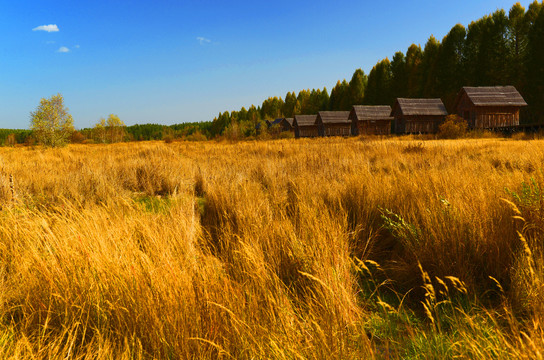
(203, 40)
(50, 42)
(76, 46)
(63, 49)
(48, 28)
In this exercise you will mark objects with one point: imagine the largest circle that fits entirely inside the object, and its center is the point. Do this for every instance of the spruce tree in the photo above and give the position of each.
(357, 87)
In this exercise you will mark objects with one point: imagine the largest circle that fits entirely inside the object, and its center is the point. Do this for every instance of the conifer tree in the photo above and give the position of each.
(535, 67)
(450, 71)
(399, 78)
(378, 91)
(429, 80)
(413, 70)
(357, 87)
(289, 104)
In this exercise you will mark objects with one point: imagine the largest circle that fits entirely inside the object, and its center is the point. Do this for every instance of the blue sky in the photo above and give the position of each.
(168, 62)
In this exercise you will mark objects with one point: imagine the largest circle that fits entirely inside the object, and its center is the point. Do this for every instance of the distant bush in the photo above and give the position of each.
(196, 136)
(453, 128)
(483, 134)
(287, 135)
(522, 136)
(77, 138)
(11, 140)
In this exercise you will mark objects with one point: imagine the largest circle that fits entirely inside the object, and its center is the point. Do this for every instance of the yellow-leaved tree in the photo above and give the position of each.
(115, 128)
(51, 123)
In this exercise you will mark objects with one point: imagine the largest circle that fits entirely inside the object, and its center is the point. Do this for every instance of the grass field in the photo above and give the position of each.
(310, 249)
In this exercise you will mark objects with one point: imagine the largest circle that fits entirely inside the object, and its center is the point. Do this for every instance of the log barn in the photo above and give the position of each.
(370, 120)
(270, 123)
(305, 126)
(489, 107)
(333, 123)
(414, 116)
(280, 124)
(286, 124)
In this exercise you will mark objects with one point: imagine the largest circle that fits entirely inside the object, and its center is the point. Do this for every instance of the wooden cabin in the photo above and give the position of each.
(418, 116)
(286, 124)
(370, 120)
(305, 126)
(270, 123)
(333, 123)
(489, 107)
(273, 126)
(280, 124)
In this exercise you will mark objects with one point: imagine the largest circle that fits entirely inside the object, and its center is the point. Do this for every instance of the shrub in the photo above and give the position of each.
(522, 136)
(77, 138)
(196, 136)
(287, 135)
(11, 140)
(453, 128)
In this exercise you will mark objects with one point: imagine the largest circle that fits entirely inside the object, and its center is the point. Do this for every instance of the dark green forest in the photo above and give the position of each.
(498, 49)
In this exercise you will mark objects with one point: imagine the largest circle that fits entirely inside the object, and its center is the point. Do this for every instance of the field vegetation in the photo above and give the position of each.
(326, 248)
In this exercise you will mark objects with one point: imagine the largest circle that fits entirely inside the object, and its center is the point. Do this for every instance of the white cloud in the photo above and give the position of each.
(63, 49)
(203, 40)
(76, 46)
(48, 28)
(50, 42)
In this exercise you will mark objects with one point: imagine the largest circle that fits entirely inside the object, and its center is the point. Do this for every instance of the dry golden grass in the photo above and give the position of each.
(327, 248)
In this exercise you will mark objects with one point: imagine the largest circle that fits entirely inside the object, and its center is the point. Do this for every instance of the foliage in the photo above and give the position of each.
(535, 69)
(454, 127)
(12, 137)
(115, 129)
(77, 138)
(379, 84)
(51, 123)
(99, 131)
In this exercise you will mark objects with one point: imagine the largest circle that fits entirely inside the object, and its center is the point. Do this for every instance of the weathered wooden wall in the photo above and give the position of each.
(306, 131)
(336, 130)
(374, 127)
(413, 124)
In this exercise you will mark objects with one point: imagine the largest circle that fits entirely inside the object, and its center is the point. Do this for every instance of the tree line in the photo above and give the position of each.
(115, 132)
(498, 49)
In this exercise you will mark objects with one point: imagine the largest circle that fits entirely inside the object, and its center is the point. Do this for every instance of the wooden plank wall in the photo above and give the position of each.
(375, 127)
(337, 130)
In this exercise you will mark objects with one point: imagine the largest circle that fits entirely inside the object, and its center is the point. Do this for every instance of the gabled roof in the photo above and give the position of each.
(432, 107)
(276, 121)
(492, 96)
(334, 117)
(288, 121)
(366, 112)
(304, 120)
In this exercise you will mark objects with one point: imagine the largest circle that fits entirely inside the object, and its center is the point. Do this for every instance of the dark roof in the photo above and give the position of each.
(305, 120)
(378, 112)
(334, 117)
(286, 122)
(433, 107)
(276, 122)
(493, 96)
